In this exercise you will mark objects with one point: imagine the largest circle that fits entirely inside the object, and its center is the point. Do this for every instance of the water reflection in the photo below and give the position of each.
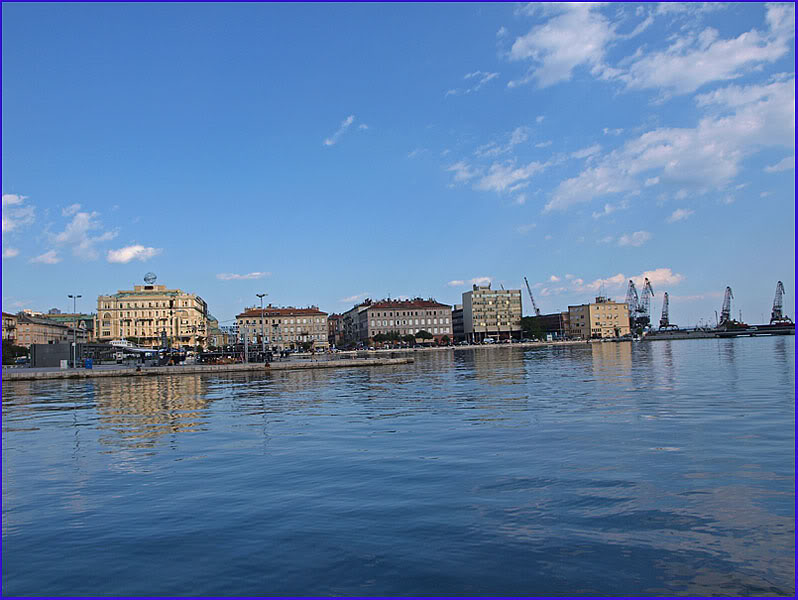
(136, 412)
(613, 360)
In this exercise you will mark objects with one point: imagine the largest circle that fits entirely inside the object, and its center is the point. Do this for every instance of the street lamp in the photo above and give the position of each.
(262, 336)
(74, 327)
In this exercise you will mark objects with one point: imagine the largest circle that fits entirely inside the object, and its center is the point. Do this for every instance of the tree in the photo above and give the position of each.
(531, 328)
(409, 339)
(424, 335)
(445, 340)
(11, 351)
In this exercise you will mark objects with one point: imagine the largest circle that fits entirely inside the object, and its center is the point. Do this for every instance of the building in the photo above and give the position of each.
(335, 329)
(150, 315)
(458, 329)
(600, 319)
(402, 317)
(284, 327)
(491, 313)
(79, 320)
(39, 330)
(553, 324)
(9, 327)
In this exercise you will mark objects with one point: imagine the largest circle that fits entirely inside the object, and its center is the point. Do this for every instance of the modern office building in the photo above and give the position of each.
(600, 319)
(489, 313)
(150, 315)
(458, 329)
(554, 324)
(284, 327)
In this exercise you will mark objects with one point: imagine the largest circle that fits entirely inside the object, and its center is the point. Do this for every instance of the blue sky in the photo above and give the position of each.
(325, 153)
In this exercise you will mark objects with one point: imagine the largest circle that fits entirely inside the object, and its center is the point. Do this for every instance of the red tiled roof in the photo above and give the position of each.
(405, 304)
(272, 311)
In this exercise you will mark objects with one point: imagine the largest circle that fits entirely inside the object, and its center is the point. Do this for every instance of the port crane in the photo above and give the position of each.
(532, 298)
(725, 311)
(632, 299)
(664, 321)
(777, 314)
(644, 310)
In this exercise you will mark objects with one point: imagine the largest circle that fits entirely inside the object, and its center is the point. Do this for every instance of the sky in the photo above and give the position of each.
(327, 153)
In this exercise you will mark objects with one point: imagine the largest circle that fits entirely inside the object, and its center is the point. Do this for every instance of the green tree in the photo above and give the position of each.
(424, 335)
(409, 339)
(445, 340)
(11, 352)
(531, 328)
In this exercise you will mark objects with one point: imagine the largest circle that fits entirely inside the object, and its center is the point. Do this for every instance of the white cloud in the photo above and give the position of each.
(48, 258)
(10, 253)
(545, 144)
(362, 127)
(416, 152)
(462, 171)
(345, 124)
(695, 59)
(128, 253)
(651, 181)
(638, 238)
(606, 240)
(76, 235)
(586, 152)
(501, 32)
(785, 164)
(16, 215)
(473, 281)
(539, 119)
(355, 297)
(610, 208)
(554, 279)
(518, 136)
(70, 210)
(524, 229)
(608, 131)
(658, 278)
(478, 79)
(520, 199)
(500, 177)
(574, 37)
(708, 155)
(680, 214)
(236, 276)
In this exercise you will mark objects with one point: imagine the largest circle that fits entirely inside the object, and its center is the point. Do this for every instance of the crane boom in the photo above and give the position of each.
(664, 322)
(725, 311)
(776, 314)
(532, 298)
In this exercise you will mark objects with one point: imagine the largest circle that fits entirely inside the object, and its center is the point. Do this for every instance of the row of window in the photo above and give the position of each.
(414, 331)
(279, 321)
(389, 322)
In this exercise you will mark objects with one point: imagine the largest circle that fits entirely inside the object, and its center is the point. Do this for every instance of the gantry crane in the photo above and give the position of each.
(777, 314)
(664, 321)
(532, 298)
(725, 311)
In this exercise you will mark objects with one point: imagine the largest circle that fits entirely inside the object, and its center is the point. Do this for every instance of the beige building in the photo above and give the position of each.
(600, 319)
(9, 327)
(284, 327)
(79, 320)
(38, 330)
(491, 313)
(404, 317)
(148, 313)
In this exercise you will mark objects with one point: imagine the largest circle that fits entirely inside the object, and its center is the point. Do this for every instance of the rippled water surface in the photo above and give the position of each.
(646, 468)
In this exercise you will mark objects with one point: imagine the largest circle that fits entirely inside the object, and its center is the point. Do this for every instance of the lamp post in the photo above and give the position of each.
(74, 327)
(262, 336)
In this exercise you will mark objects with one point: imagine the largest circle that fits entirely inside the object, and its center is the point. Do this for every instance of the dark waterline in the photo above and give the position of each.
(647, 468)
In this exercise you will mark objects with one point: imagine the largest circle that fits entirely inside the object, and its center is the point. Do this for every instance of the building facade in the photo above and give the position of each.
(491, 313)
(284, 327)
(458, 328)
(38, 330)
(553, 324)
(335, 329)
(150, 315)
(402, 317)
(600, 319)
(9, 327)
(79, 320)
